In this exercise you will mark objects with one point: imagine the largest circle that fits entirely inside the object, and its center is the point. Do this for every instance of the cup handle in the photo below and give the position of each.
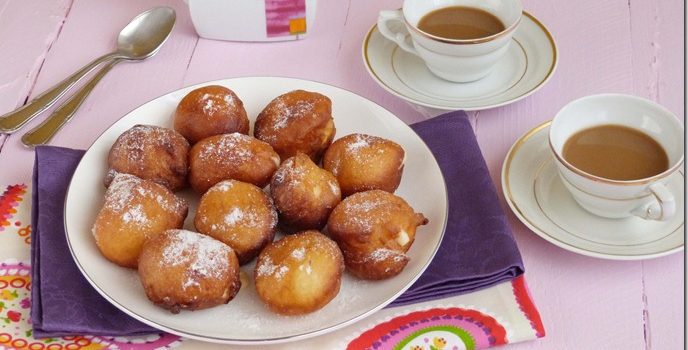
(398, 37)
(662, 208)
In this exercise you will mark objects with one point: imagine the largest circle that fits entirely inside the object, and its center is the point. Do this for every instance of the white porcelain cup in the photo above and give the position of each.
(648, 198)
(452, 59)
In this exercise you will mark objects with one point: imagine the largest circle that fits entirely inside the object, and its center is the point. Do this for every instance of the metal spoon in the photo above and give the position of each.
(140, 39)
(45, 131)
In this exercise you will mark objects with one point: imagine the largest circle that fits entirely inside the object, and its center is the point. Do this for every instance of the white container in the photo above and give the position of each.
(247, 20)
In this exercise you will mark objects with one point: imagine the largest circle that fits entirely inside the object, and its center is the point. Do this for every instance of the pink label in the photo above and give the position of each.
(285, 17)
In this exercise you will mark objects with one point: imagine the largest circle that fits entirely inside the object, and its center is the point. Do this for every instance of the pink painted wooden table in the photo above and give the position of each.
(633, 47)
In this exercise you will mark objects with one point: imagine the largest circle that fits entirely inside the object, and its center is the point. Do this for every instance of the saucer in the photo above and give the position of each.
(537, 196)
(527, 66)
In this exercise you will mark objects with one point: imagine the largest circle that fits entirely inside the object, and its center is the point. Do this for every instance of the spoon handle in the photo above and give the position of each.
(14, 120)
(63, 114)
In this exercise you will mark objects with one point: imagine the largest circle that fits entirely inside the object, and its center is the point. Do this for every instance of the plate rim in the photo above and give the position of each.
(265, 341)
(506, 166)
(380, 82)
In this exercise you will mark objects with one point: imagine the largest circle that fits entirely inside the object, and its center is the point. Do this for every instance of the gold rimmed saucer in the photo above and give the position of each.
(538, 198)
(527, 66)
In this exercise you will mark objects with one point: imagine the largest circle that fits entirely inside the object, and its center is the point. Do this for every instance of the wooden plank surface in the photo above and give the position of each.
(658, 69)
(22, 51)
(604, 46)
(84, 37)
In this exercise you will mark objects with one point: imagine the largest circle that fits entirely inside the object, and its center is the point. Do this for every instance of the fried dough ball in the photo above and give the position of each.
(231, 156)
(238, 214)
(210, 110)
(151, 153)
(304, 194)
(181, 269)
(299, 274)
(374, 229)
(363, 162)
(298, 121)
(134, 210)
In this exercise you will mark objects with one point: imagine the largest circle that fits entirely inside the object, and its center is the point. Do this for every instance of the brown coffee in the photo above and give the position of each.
(460, 22)
(616, 152)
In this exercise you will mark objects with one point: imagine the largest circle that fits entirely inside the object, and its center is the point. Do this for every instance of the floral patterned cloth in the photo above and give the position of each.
(498, 315)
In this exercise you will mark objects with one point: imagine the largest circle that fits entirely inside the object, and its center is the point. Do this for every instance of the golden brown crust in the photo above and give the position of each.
(181, 269)
(304, 194)
(298, 121)
(299, 274)
(133, 211)
(238, 214)
(363, 162)
(151, 153)
(210, 110)
(374, 229)
(231, 156)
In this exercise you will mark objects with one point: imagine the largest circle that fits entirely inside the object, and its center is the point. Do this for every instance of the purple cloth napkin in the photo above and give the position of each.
(478, 249)
(64, 303)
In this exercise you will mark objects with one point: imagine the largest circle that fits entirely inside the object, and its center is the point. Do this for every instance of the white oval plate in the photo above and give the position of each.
(245, 320)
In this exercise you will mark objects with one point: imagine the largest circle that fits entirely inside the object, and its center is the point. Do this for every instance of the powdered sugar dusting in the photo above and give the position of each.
(299, 253)
(209, 107)
(363, 149)
(267, 268)
(383, 254)
(289, 173)
(190, 282)
(124, 187)
(238, 217)
(363, 207)
(361, 146)
(229, 99)
(206, 257)
(135, 214)
(233, 147)
(306, 267)
(234, 216)
(251, 214)
(284, 114)
(215, 102)
(297, 174)
(360, 141)
(133, 143)
(223, 186)
(358, 207)
(120, 192)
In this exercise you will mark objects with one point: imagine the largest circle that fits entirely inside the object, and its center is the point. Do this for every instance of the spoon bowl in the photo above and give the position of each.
(146, 33)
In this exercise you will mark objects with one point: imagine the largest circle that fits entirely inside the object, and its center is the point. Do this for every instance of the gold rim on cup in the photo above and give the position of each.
(492, 37)
(596, 178)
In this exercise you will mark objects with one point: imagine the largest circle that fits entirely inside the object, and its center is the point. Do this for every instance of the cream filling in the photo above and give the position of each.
(276, 160)
(402, 238)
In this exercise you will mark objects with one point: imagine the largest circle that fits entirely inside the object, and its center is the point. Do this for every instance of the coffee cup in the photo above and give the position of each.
(457, 60)
(647, 197)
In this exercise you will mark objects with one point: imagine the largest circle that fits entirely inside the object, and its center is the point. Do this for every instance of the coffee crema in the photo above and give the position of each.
(460, 23)
(615, 152)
